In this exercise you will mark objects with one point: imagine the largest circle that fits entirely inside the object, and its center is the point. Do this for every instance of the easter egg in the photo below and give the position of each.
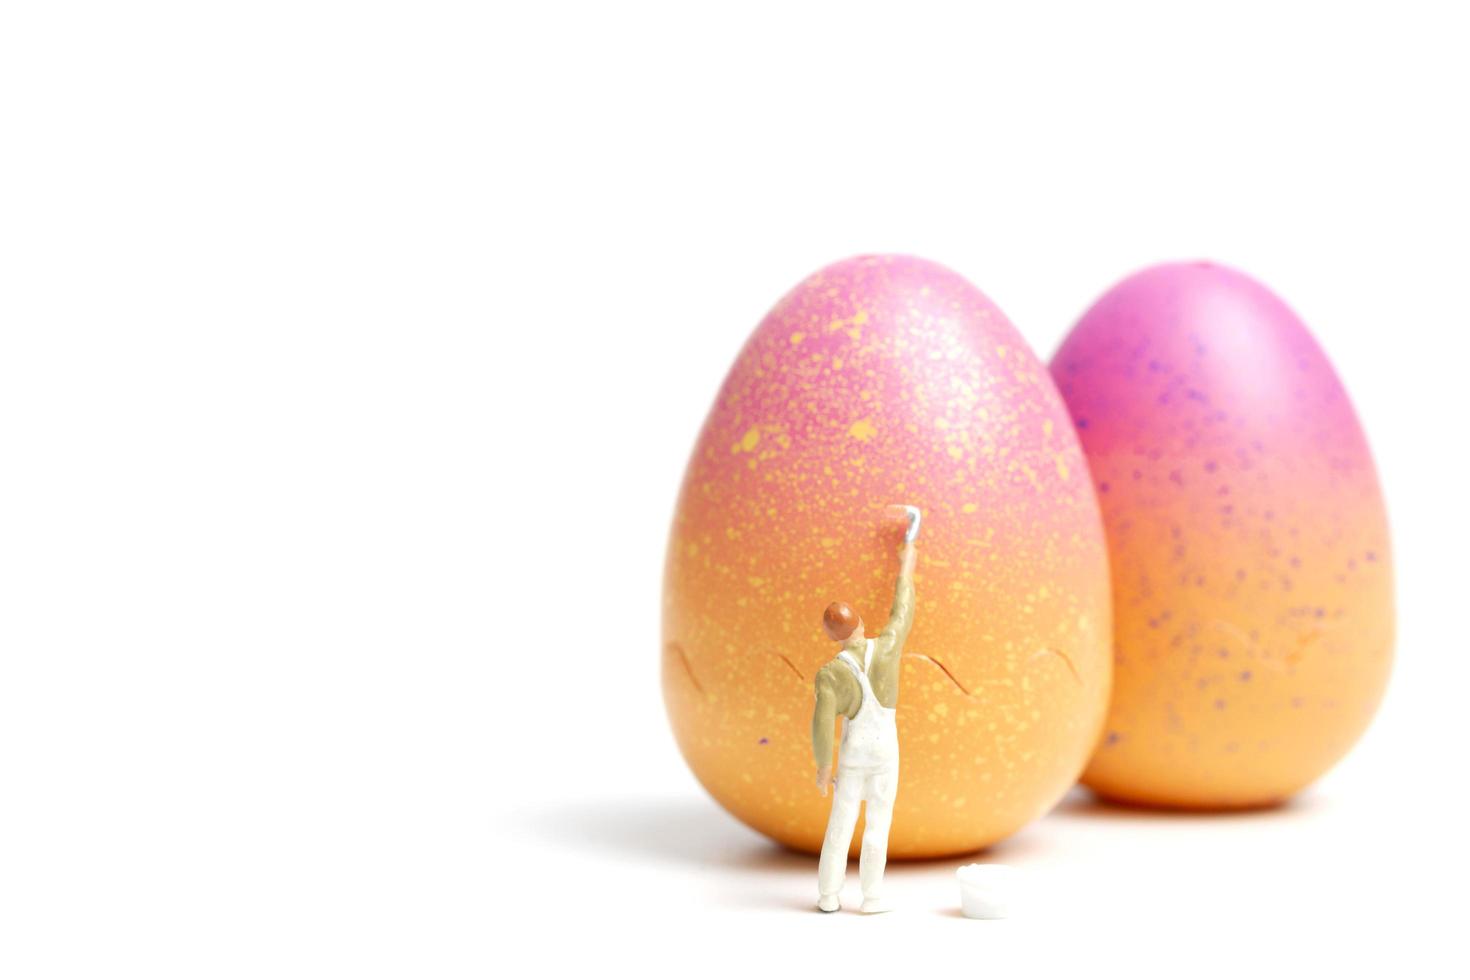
(878, 381)
(1252, 591)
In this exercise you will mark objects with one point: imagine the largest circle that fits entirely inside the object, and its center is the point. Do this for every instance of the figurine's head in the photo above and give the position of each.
(842, 623)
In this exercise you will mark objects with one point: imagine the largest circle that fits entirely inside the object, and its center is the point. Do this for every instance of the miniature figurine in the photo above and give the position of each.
(861, 684)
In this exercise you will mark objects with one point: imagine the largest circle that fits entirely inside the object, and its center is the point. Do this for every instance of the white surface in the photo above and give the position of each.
(349, 359)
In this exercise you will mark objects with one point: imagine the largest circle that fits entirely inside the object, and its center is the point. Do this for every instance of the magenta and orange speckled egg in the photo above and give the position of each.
(889, 380)
(1253, 603)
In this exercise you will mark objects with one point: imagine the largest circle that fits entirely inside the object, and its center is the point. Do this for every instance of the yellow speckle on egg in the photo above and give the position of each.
(862, 430)
(797, 337)
(969, 508)
(1062, 470)
(748, 441)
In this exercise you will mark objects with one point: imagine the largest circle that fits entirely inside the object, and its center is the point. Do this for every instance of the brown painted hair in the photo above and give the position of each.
(839, 621)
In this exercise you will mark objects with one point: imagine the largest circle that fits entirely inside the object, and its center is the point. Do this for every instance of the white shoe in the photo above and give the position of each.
(829, 903)
(874, 906)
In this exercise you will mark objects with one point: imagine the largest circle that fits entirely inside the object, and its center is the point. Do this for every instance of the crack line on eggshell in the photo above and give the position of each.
(1236, 633)
(1071, 667)
(1270, 658)
(678, 650)
(952, 678)
(799, 675)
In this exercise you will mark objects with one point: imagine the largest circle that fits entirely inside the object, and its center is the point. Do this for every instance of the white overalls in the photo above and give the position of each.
(867, 769)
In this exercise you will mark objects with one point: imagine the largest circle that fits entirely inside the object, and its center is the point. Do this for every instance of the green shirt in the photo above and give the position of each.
(838, 692)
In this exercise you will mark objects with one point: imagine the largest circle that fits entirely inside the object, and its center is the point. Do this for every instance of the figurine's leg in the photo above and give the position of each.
(882, 787)
(832, 868)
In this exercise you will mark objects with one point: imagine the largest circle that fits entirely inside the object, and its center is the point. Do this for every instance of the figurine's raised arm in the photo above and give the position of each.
(901, 615)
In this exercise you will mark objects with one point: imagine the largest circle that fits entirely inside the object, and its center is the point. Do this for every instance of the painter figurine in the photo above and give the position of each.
(861, 685)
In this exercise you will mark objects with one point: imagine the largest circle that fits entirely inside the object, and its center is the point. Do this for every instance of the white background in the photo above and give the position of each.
(350, 355)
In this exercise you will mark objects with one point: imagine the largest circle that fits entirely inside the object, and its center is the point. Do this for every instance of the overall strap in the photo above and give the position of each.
(862, 678)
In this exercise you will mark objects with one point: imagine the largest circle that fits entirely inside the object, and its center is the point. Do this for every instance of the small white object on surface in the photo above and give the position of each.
(987, 890)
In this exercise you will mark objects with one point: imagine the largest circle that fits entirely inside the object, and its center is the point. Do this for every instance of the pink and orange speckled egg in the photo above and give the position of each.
(1253, 605)
(889, 380)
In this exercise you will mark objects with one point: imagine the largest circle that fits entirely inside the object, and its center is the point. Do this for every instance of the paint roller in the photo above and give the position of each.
(911, 516)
